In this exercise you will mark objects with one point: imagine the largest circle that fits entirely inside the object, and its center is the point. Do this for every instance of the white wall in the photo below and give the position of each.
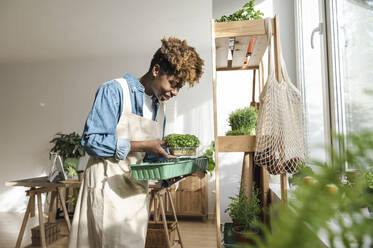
(234, 88)
(54, 55)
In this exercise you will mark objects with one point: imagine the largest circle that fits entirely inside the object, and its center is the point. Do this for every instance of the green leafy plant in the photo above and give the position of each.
(243, 121)
(313, 207)
(368, 176)
(70, 149)
(304, 171)
(246, 13)
(181, 140)
(68, 145)
(71, 199)
(245, 211)
(210, 154)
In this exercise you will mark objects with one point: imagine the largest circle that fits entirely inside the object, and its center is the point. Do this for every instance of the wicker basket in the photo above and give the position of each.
(183, 151)
(155, 237)
(51, 233)
(192, 183)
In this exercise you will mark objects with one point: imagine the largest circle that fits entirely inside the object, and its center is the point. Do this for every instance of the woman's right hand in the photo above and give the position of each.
(151, 146)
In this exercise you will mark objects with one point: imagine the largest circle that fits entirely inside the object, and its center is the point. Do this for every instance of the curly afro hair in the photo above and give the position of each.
(176, 58)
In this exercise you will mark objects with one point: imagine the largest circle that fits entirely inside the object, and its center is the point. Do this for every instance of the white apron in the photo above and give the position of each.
(112, 207)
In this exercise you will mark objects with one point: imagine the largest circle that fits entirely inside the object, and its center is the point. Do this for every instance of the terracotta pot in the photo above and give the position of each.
(80, 175)
(241, 237)
(353, 175)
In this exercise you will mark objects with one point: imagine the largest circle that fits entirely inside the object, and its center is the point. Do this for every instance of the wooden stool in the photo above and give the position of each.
(156, 198)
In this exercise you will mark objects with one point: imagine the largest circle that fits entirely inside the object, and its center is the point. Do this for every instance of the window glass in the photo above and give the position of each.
(356, 50)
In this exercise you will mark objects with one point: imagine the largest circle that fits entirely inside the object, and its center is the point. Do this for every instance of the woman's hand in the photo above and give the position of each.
(151, 146)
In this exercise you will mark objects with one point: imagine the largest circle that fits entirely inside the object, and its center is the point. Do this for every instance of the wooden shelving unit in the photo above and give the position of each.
(222, 38)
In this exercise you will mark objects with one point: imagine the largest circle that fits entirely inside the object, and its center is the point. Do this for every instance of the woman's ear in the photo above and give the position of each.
(156, 70)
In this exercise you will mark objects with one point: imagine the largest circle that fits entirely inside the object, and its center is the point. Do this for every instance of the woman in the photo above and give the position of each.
(125, 123)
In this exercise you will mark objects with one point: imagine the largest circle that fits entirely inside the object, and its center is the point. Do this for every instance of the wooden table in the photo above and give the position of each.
(37, 186)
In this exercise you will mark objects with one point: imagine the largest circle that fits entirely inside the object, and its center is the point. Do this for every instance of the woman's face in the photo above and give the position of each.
(164, 87)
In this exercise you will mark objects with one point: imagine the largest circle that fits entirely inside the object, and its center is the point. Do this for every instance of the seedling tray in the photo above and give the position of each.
(168, 168)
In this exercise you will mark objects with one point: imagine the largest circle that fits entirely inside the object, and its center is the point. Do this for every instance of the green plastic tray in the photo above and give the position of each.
(168, 168)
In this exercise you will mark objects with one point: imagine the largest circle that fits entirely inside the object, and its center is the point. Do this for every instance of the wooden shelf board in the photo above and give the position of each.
(236, 143)
(239, 28)
(238, 68)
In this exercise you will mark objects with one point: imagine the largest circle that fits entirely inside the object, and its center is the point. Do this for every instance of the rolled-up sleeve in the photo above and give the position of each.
(99, 138)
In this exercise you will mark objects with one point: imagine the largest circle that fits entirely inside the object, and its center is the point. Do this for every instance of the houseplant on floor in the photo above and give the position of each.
(245, 214)
(243, 121)
(68, 146)
(182, 144)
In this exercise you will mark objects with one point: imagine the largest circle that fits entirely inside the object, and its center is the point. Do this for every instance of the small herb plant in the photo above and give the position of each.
(246, 13)
(243, 121)
(245, 211)
(181, 140)
(70, 149)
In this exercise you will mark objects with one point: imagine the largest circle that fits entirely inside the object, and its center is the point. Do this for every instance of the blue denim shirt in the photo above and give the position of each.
(99, 138)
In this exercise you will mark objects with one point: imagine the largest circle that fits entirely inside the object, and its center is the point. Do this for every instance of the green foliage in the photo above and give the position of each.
(68, 145)
(243, 121)
(71, 166)
(241, 131)
(181, 140)
(245, 211)
(246, 13)
(368, 177)
(71, 171)
(210, 154)
(304, 171)
(70, 149)
(71, 199)
(313, 207)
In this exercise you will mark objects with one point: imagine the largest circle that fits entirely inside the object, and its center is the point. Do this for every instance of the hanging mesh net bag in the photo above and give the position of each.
(280, 131)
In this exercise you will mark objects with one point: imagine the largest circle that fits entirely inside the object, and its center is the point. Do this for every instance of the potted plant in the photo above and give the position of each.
(68, 146)
(246, 13)
(210, 154)
(243, 121)
(182, 144)
(245, 214)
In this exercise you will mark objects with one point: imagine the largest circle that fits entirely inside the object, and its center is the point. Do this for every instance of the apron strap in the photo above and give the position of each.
(160, 116)
(127, 106)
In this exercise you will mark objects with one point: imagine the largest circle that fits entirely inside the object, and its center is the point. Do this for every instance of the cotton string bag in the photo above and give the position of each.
(280, 131)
